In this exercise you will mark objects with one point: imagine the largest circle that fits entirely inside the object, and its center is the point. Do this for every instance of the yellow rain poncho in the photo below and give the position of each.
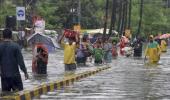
(69, 53)
(163, 46)
(153, 52)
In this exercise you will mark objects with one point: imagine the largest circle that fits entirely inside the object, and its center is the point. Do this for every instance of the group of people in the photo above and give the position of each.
(76, 52)
(11, 59)
(129, 48)
(153, 50)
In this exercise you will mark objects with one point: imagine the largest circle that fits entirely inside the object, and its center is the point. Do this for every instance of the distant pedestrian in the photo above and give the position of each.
(86, 51)
(98, 54)
(80, 56)
(163, 45)
(21, 36)
(137, 45)
(107, 51)
(114, 50)
(122, 45)
(98, 42)
(10, 60)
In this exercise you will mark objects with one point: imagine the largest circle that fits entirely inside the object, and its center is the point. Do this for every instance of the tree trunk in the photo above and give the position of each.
(120, 16)
(123, 19)
(113, 17)
(130, 8)
(126, 16)
(140, 20)
(106, 17)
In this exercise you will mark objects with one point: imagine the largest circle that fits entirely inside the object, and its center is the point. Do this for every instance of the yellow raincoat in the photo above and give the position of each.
(69, 53)
(163, 46)
(153, 52)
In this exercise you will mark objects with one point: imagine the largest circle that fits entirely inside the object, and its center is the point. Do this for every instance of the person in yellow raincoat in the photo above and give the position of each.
(163, 45)
(153, 51)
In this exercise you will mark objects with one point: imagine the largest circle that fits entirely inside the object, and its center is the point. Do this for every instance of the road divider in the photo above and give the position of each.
(49, 87)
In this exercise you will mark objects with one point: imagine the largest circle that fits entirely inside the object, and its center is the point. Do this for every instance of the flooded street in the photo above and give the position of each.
(67, 44)
(55, 70)
(128, 79)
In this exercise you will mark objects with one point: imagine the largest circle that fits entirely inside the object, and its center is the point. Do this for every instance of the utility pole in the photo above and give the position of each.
(0, 11)
(113, 17)
(105, 19)
(140, 20)
(24, 5)
(79, 12)
(76, 11)
(123, 18)
(120, 15)
(130, 8)
(167, 3)
(30, 11)
(69, 21)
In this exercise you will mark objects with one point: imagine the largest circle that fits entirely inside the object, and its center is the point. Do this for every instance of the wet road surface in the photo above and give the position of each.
(128, 79)
(55, 70)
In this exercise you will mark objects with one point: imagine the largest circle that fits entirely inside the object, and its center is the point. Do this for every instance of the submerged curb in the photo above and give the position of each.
(44, 88)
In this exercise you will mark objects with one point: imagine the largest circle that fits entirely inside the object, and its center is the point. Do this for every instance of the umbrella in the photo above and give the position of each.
(41, 38)
(164, 36)
(157, 37)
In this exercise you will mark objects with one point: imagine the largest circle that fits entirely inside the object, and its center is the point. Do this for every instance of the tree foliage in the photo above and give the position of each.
(155, 17)
(57, 14)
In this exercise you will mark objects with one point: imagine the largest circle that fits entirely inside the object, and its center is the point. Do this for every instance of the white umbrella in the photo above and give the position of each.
(42, 38)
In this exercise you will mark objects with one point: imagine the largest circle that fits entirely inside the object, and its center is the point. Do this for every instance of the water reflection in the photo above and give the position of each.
(40, 77)
(69, 74)
(128, 79)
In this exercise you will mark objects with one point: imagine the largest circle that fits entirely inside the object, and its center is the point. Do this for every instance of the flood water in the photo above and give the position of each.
(55, 70)
(128, 79)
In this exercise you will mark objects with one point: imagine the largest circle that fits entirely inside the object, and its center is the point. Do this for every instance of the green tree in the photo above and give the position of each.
(57, 14)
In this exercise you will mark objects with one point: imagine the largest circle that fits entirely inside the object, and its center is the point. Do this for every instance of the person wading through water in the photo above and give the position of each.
(69, 53)
(137, 45)
(10, 60)
(40, 59)
(153, 51)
